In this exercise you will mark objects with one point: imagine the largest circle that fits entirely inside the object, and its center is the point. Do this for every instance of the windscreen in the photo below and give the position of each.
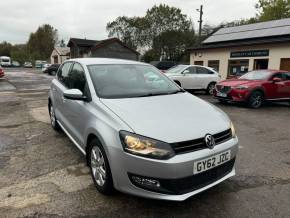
(128, 81)
(256, 75)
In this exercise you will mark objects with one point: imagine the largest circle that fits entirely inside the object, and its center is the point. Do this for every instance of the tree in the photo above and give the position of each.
(130, 30)
(163, 29)
(5, 48)
(42, 42)
(273, 9)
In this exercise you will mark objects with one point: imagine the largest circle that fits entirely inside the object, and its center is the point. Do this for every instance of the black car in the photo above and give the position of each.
(52, 69)
(163, 65)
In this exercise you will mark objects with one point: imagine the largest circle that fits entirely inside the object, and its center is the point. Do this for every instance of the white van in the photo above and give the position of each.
(5, 61)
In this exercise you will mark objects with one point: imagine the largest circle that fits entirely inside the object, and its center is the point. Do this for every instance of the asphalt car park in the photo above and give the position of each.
(44, 175)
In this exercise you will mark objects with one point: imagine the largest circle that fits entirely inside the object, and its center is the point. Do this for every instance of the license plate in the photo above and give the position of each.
(220, 94)
(211, 162)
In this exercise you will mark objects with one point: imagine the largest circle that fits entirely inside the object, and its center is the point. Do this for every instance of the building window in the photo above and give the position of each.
(215, 64)
(260, 64)
(238, 67)
(285, 64)
(198, 63)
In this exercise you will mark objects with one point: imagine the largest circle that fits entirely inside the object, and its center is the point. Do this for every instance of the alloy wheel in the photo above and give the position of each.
(211, 89)
(98, 166)
(52, 116)
(256, 100)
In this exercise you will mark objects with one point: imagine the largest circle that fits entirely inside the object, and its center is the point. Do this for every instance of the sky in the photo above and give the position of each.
(88, 18)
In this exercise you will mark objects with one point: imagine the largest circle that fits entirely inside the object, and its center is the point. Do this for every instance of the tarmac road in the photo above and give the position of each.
(42, 174)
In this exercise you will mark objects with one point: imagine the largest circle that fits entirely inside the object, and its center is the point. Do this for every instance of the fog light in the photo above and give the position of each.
(145, 181)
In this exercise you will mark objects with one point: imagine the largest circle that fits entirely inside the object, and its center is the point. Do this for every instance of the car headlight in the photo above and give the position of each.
(241, 87)
(146, 147)
(233, 130)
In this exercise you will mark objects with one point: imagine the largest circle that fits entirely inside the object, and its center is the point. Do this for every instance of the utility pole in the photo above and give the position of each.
(200, 20)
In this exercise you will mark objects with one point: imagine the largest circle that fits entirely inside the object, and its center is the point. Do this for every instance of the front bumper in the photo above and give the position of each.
(177, 171)
(234, 95)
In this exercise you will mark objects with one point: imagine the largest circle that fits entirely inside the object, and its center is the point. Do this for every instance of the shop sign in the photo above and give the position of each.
(252, 53)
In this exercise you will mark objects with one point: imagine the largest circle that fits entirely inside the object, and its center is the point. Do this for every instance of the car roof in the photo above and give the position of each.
(92, 61)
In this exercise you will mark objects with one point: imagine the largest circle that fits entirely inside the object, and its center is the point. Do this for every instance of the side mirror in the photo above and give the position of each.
(276, 80)
(74, 94)
(185, 72)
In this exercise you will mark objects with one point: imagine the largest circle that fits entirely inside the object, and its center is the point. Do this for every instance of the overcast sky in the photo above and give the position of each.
(88, 18)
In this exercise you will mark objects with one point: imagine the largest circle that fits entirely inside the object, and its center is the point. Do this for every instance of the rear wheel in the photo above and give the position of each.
(210, 88)
(100, 168)
(256, 99)
(53, 73)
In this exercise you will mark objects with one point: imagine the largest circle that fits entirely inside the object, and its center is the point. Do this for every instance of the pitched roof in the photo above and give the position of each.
(251, 31)
(62, 50)
(82, 42)
(95, 44)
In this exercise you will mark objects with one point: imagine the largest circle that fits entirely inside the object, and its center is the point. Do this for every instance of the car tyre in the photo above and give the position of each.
(210, 88)
(53, 120)
(100, 168)
(256, 99)
(177, 82)
(53, 73)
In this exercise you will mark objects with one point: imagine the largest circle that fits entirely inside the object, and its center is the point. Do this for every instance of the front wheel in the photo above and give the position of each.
(100, 168)
(53, 120)
(256, 99)
(210, 88)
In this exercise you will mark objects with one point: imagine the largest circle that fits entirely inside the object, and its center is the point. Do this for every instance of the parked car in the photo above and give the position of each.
(39, 63)
(52, 69)
(16, 64)
(1, 72)
(5, 61)
(44, 67)
(27, 64)
(194, 77)
(163, 65)
(129, 129)
(255, 87)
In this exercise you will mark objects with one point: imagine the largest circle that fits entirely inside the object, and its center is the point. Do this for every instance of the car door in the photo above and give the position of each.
(58, 87)
(205, 77)
(77, 111)
(286, 82)
(274, 90)
(190, 79)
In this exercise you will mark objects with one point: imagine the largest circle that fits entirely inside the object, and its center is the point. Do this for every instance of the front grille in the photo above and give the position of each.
(192, 183)
(198, 144)
(223, 89)
(188, 184)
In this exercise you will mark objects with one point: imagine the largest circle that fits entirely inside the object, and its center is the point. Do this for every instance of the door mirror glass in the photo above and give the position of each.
(185, 72)
(276, 79)
(74, 94)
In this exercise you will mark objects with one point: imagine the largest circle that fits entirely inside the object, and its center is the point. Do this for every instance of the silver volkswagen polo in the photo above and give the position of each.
(140, 132)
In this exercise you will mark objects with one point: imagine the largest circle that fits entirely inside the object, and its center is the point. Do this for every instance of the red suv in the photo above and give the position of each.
(255, 87)
(1, 72)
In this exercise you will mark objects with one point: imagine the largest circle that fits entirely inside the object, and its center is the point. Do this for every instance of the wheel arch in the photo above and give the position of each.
(259, 89)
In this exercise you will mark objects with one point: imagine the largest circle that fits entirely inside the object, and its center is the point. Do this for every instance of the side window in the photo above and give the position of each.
(287, 76)
(278, 75)
(77, 79)
(202, 70)
(62, 74)
(192, 70)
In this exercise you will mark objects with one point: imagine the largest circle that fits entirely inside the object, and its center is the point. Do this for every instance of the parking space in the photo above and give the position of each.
(44, 175)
